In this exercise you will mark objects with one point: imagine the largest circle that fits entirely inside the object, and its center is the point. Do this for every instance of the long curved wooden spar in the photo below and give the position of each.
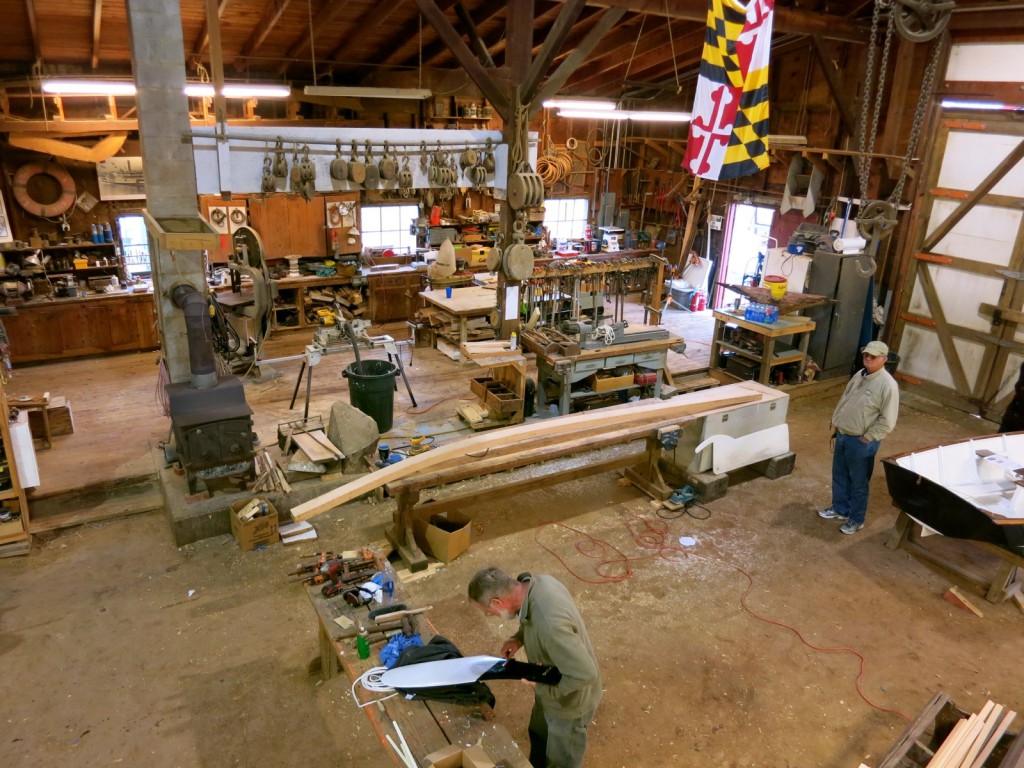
(642, 411)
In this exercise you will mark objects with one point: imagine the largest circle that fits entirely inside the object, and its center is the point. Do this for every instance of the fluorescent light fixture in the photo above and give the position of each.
(89, 87)
(986, 105)
(240, 91)
(576, 104)
(616, 114)
(661, 117)
(358, 92)
(594, 114)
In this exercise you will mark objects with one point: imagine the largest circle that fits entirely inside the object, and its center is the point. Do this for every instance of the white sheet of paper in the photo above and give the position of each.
(511, 302)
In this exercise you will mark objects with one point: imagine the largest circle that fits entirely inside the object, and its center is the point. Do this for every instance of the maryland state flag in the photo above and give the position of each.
(729, 129)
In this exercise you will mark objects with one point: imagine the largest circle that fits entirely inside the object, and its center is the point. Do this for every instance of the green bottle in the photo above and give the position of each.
(363, 645)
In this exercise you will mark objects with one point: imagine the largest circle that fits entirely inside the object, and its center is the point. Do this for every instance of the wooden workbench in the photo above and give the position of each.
(464, 304)
(786, 325)
(427, 726)
(564, 371)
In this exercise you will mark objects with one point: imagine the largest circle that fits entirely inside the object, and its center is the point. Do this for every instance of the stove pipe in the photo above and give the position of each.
(197, 328)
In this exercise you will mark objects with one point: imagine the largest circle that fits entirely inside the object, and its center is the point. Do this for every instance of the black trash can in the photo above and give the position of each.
(892, 363)
(371, 389)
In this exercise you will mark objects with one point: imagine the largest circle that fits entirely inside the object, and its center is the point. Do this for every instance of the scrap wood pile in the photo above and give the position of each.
(943, 736)
(573, 434)
(444, 324)
(349, 301)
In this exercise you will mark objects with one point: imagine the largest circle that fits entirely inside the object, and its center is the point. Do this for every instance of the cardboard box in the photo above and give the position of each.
(62, 422)
(259, 532)
(442, 536)
(454, 756)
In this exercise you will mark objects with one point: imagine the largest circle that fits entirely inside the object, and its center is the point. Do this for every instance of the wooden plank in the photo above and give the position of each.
(915, 731)
(959, 599)
(993, 740)
(642, 411)
(312, 447)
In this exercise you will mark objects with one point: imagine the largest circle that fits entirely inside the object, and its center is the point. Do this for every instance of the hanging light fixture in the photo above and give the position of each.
(359, 92)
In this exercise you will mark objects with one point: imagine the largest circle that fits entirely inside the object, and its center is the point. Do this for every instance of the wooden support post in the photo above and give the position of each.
(401, 533)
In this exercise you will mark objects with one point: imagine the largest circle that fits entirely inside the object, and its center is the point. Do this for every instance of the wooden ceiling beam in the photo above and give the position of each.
(30, 11)
(204, 34)
(564, 71)
(835, 87)
(271, 15)
(786, 20)
(657, 50)
(474, 37)
(324, 17)
(437, 51)
(553, 43)
(474, 68)
(97, 24)
(519, 21)
(394, 43)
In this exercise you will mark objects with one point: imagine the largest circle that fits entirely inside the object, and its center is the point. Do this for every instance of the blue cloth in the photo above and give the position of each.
(853, 461)
(396, 644)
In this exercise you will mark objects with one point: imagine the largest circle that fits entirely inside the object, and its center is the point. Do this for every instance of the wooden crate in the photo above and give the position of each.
(61, 420)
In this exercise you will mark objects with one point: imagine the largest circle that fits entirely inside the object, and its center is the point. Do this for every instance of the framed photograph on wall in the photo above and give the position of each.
(121, 178)
(6, 236)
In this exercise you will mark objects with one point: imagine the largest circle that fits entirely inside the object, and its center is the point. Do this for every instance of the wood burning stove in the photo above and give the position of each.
(212, 430)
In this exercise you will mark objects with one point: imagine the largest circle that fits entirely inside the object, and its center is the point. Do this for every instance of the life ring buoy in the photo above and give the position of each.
(28, 172)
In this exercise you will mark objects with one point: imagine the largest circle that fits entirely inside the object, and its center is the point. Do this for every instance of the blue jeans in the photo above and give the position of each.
(852, 464)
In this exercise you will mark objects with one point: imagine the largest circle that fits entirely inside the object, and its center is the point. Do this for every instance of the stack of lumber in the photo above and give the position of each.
(944, 736)
(972, 740)
(579, 432)
(349, 300)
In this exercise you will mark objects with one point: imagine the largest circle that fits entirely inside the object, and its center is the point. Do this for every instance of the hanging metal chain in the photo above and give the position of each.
(923, 100)
(866, 144)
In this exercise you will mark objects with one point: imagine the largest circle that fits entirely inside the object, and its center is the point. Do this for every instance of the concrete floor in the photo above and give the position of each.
(119, 647)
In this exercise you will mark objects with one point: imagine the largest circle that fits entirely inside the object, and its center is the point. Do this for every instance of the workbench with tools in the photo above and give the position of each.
(580, 362)
(347, 622)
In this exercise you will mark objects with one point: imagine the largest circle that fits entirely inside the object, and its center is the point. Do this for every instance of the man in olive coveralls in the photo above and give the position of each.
(553, 633)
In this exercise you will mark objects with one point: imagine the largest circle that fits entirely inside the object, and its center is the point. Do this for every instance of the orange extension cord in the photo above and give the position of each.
(653, 536)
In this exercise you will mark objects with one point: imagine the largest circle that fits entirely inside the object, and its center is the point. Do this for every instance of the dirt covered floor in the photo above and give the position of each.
(743, 650)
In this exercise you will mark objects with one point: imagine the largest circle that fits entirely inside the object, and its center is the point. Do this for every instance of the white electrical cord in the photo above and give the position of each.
(370, 680)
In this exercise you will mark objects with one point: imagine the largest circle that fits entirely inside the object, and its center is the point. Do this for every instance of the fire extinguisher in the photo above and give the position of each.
(698, 301)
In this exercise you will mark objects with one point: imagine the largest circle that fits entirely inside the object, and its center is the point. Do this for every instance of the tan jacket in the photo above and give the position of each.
(869, 406)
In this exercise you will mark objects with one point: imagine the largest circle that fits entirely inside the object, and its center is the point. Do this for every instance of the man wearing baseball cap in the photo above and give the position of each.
(866, 413)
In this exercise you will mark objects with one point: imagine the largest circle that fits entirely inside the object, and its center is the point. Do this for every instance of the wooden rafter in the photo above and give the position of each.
(378, 16)
(835, 87)
(653, 51)
(204, 34)
(325, 16)
(271, 15)
(474, 36)
(411, 29)
(473, 68)
(553, 43)
(30, 11)
(786, 20)
(436, 52)
(583, 50)
(97, 24)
